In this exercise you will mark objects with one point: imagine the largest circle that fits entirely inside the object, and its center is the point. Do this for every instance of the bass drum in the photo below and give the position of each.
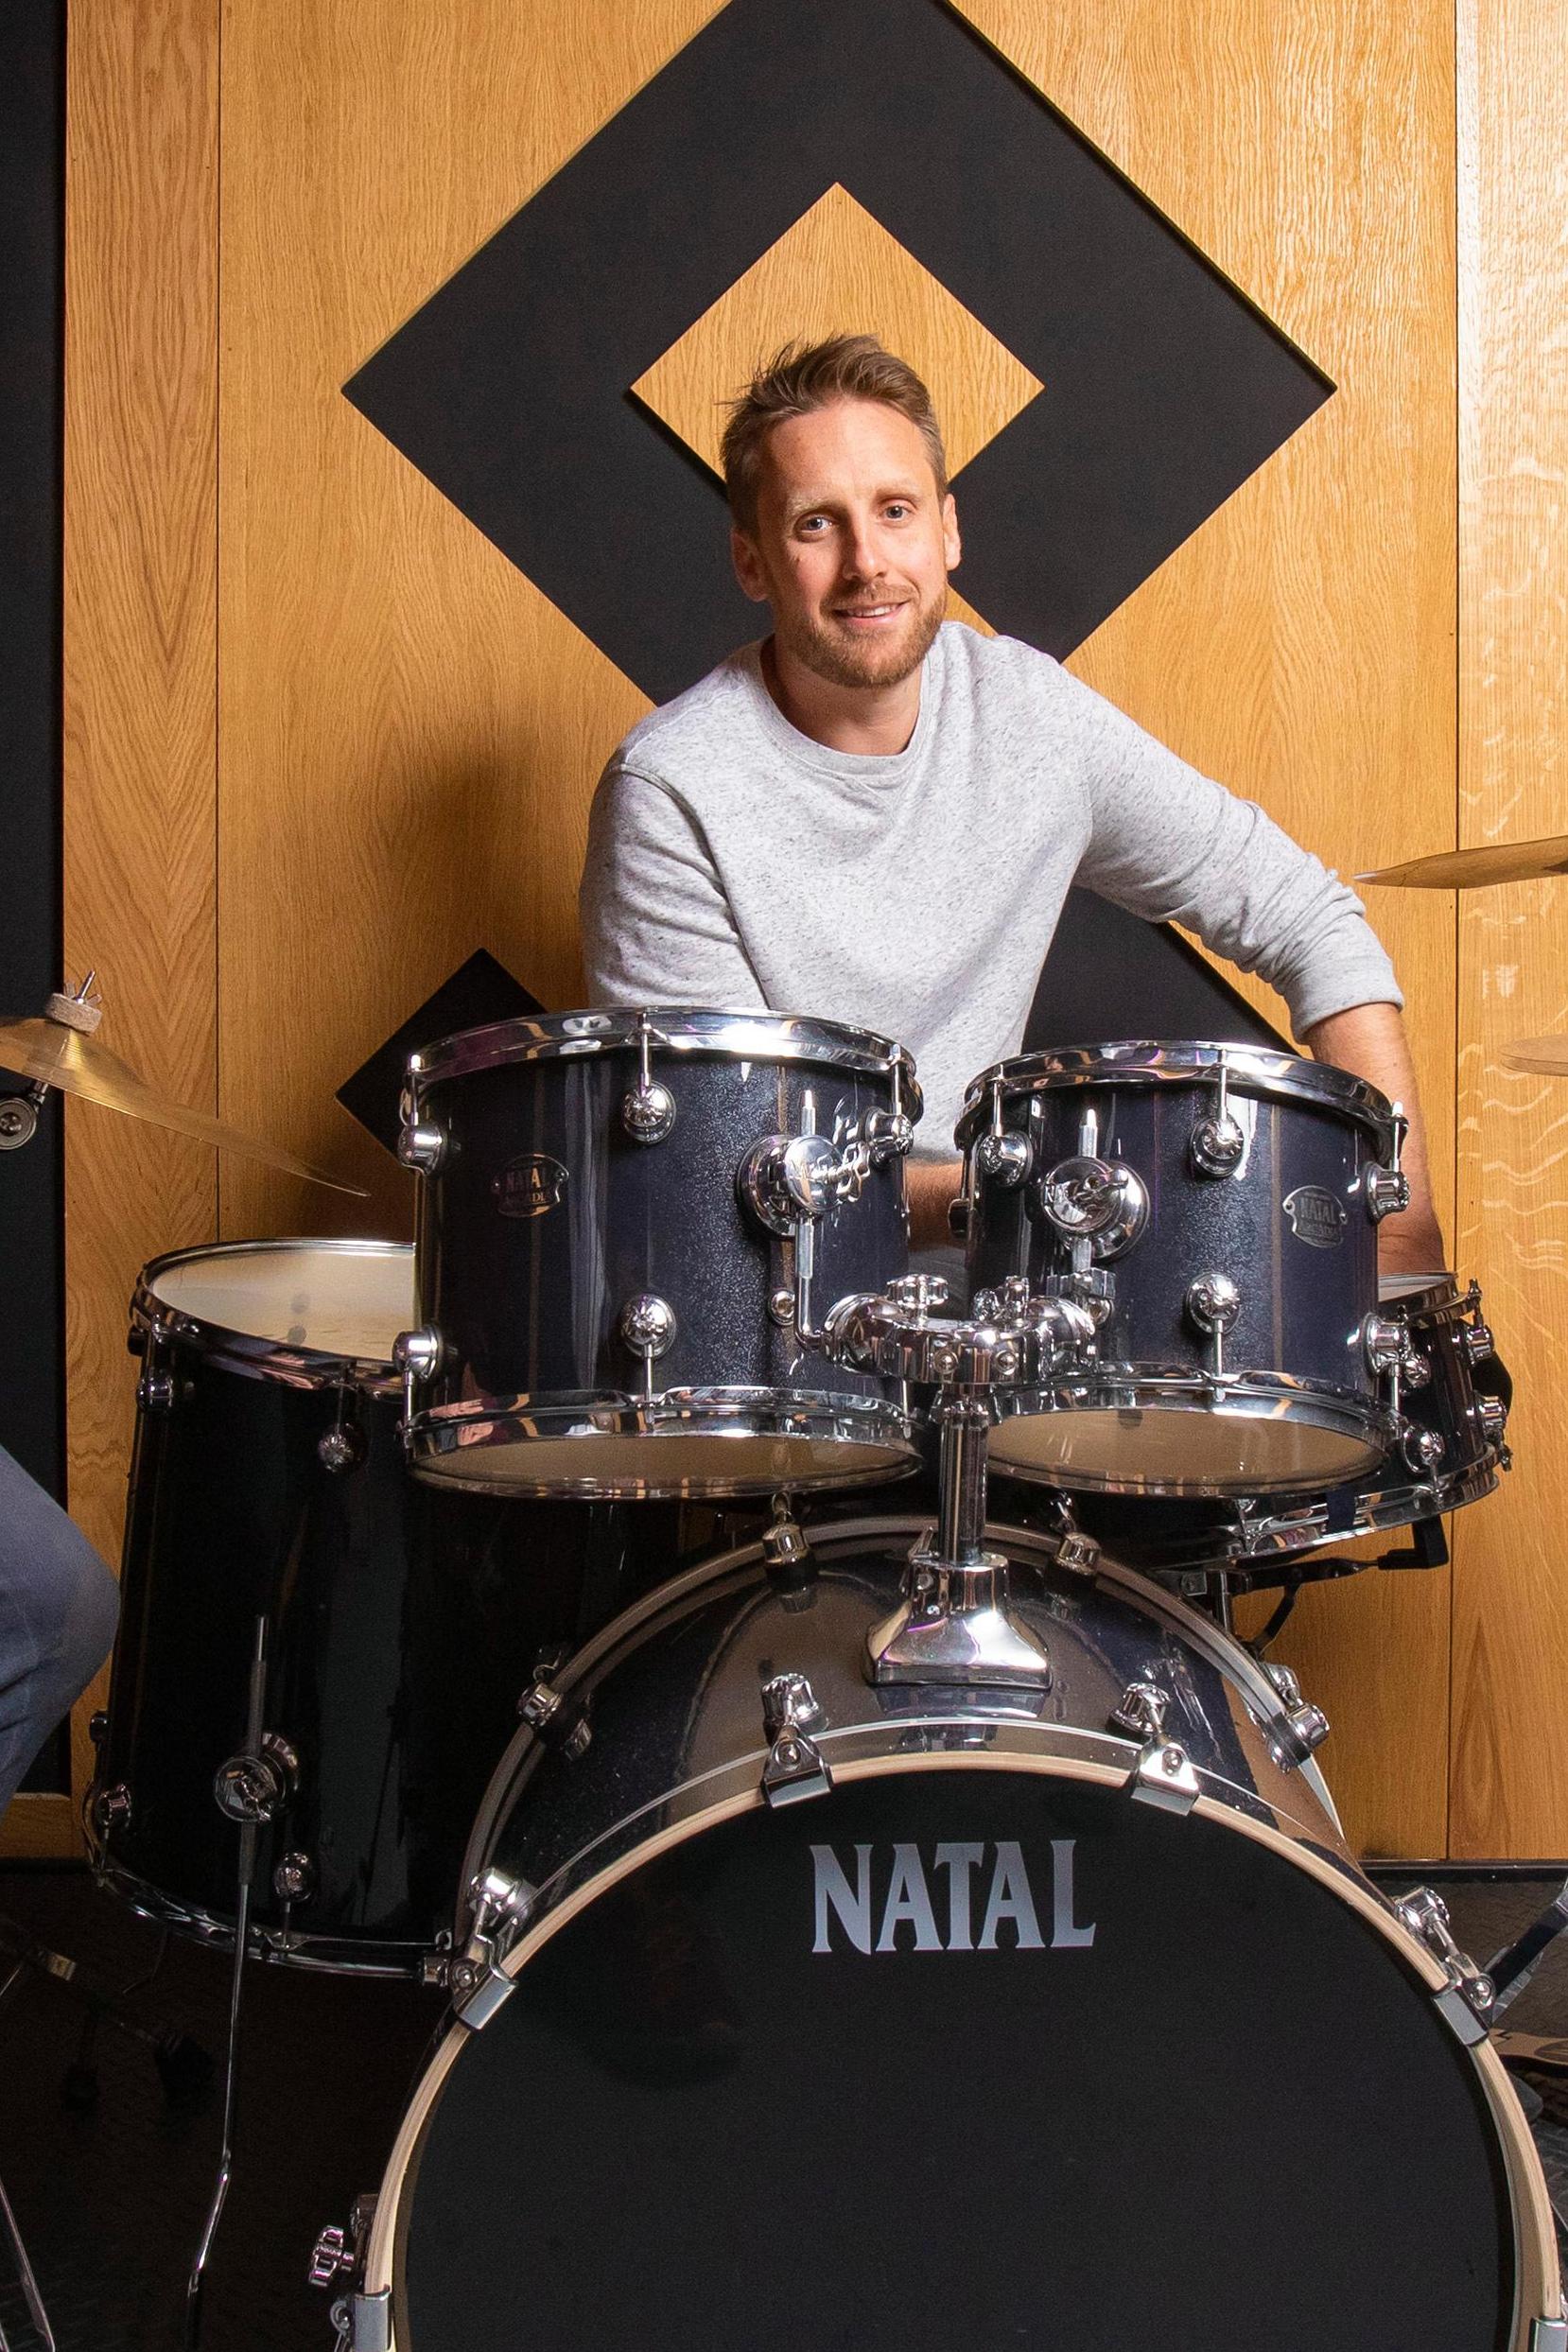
(964, 2045)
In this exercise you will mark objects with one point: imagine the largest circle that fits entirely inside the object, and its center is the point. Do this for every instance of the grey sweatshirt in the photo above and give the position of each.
(735, 862)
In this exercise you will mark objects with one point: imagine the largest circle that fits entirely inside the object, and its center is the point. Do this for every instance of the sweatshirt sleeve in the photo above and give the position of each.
(1169, 844)
(656, 925)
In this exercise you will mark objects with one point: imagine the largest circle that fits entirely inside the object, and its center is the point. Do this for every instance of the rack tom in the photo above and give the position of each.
(631, 1227)
(1216, 1208)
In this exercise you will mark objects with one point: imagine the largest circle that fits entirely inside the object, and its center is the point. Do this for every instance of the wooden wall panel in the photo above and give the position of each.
(1511, 1647)
(411, 732)
(1301, 645)
(140, 650)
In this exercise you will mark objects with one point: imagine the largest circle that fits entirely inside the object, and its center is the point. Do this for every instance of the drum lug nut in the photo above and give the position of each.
(1005, 1160)
(1468, 1998)
(1164, 1774)
(255, 1787)
(422, 1146)
(1216, 1146)
(294, 1878)
(887, 1134)
(781, 1308)
(155, 1393)
(555, 1722)
(500, 1907)
(648, 1325)
(1478, 1341)
(794, 1770)
(111, 1808)
(648, 1111)
(97, 1727)
(918, 1294)
(1387, 1192)
(341, 1447)
(1492, 1415)
(1302, 1728)
(1422, 1449)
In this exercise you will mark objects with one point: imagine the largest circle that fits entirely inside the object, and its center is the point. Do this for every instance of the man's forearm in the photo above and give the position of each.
(931, 1185)
(1370, 1039)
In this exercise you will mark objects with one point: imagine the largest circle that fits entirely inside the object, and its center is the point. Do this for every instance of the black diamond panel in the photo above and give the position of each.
(1164, 387)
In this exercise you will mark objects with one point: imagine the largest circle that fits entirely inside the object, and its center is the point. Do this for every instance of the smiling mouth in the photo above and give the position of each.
(867, 612)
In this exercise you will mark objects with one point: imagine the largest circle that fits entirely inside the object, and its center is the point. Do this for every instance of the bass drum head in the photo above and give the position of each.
(963, 2055)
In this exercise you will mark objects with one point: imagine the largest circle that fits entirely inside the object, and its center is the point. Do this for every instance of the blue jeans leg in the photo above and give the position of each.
(58, 1608)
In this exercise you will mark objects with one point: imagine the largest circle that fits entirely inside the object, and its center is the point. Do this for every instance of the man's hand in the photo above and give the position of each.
(1370, 1039)
(931, 1185)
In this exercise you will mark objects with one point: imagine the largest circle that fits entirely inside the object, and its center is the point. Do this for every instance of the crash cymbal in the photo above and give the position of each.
(1548, 1055)
(1472, 869)
(60, 1050)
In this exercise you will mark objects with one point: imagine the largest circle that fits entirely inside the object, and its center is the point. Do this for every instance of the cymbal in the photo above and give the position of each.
(54, 1052)
(1472, 869)
(1548, 1055)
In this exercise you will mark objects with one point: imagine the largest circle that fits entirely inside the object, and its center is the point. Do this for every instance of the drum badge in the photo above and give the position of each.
(1315, 1216)
(530, 1186)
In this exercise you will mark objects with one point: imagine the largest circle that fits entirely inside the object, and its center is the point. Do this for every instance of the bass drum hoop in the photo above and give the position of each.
(1537, 2286)
(661, 1426)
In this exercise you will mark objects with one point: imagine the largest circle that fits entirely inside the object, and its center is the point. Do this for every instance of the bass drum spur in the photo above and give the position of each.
(901, 2017)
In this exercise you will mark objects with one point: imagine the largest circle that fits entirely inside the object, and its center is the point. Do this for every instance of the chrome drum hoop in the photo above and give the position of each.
(751, 1035)
(1252, 1070)
(1136, 1388)
(291, 1364)
(727, 1417)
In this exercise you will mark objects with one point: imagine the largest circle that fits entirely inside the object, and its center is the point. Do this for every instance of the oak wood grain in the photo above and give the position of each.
(140, 656)
(1511, 1626)
(1300, 647)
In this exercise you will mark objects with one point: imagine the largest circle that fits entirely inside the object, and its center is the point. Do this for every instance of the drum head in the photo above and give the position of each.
(1187, 1446)
(960, 2057)
(330, 1298)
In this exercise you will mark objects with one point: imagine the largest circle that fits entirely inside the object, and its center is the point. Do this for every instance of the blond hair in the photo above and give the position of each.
(802, 376)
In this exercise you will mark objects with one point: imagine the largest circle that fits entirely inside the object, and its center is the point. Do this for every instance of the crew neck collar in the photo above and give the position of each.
(882, 769)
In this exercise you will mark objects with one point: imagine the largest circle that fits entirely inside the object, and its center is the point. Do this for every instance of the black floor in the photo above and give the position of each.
(111, 2190)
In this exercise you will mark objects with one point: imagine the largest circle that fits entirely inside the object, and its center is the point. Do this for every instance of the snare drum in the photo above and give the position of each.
(400, 1627)
(1216, 1208)
(631, 1227)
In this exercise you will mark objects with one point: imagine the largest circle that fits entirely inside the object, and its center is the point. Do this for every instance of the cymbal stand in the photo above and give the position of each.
(31, 2295)
(249, 1788)
(955, 1624)
(19, 1111)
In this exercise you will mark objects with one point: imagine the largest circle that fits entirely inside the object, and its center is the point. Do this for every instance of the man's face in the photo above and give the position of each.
(853, 545)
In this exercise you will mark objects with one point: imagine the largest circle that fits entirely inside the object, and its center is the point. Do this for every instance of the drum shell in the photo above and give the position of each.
(402, 1625)
(530, 1304)
(1306, 1285)
(677, 1751)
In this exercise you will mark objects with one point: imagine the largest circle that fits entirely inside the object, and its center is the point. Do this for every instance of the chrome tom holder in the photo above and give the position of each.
(956, 1623)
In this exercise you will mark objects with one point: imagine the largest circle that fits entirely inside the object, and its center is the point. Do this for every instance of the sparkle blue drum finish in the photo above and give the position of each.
(546, 1215)
(1297, 1406)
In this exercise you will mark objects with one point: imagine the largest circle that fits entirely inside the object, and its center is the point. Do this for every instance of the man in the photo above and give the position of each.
(875, 816)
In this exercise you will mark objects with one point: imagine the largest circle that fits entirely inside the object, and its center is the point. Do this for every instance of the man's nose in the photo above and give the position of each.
(861, 555)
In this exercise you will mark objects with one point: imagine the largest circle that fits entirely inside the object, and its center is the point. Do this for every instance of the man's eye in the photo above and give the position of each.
(898, 509)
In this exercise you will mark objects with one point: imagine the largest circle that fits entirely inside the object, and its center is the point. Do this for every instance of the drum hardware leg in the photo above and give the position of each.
(1219, 1593)
(1511, 1969)
(795, 1769)
(249, 1788)
(1164, 1774)
(31, 2296)
(185, 2068)
(1290, 1594)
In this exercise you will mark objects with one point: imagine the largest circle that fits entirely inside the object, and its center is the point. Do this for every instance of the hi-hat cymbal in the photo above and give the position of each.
(62, 1052)
(1548, 1055)
(1472, 869)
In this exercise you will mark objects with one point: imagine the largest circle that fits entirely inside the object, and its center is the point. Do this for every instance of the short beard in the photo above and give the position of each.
(840, 664)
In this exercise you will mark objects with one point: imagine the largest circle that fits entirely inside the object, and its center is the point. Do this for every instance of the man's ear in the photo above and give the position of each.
(748, 566)
(952, 545)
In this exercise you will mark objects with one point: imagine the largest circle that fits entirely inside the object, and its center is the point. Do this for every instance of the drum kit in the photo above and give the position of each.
(926, 1926)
